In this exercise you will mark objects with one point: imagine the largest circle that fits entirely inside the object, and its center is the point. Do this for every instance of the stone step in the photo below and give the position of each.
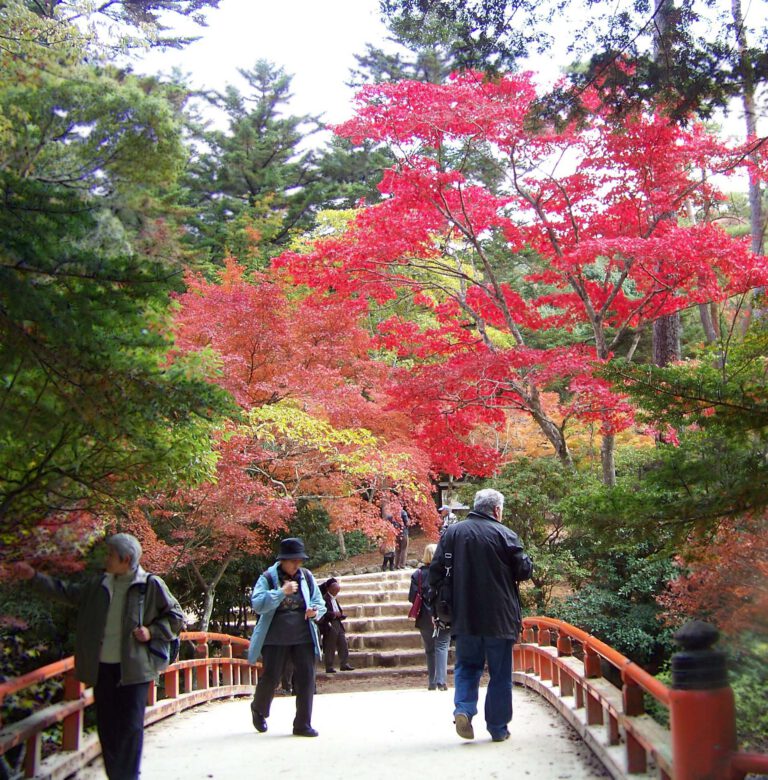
(379, 577)
(377, 609)
(393, 640)
(366, 659)
(383, 579)
(349, 585)
(382, 638)
(371, 597)
(367, 673)
(370, 623)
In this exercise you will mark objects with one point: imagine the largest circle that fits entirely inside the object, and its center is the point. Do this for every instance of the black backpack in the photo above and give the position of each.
(441, 595)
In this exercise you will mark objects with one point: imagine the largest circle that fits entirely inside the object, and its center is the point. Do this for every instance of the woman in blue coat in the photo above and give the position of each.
(289, 604)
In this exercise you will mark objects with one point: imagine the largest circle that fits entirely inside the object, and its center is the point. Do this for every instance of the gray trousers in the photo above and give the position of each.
(401, 550)
(436, 650)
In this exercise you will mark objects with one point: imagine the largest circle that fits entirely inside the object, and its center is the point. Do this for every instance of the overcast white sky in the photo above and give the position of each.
(312, 39)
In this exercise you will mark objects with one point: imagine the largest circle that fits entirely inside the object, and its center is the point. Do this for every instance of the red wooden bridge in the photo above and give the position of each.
(598, 691)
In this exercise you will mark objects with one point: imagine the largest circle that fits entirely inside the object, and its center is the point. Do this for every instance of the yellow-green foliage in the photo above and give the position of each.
(355, 452)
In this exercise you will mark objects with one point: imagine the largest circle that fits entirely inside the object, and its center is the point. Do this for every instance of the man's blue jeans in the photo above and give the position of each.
(472, 652)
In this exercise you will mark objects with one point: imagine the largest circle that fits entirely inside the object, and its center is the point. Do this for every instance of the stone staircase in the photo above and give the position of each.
(383, 640)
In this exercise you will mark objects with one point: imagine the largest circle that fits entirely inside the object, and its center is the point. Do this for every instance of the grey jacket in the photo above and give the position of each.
(162, 615)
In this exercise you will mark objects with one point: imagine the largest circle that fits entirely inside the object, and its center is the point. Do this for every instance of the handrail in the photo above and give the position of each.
(743, 764)
(576, 688)
(185, 684)
(587, 701)
(35, 677)
(628, 668)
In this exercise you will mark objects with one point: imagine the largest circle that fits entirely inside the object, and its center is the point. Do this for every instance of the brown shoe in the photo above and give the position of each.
(464, 726)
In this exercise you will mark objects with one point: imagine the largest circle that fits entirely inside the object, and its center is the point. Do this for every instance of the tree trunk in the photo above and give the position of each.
(705, 309)
(342, 544)
(549, 428)
(209, 591)
(666, 339)
(607, 452)
(750, 117)
(205, 620)
(666, 330)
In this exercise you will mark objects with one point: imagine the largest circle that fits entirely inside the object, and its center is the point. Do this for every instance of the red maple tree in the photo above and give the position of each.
(722, 578)
(527, 284)
(314, 424)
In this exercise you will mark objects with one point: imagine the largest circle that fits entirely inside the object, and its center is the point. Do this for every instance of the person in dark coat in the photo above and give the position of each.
(435, 639)
(401, 539)
(486, 561)
(332, 629)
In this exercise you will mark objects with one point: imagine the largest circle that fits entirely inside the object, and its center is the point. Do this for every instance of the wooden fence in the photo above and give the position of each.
(603, 695)
(225, 672)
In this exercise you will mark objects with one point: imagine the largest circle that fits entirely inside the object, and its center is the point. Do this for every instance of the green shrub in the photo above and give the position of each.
(748, 675)
(618, 606)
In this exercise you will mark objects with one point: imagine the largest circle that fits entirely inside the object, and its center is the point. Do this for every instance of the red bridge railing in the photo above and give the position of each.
(602, 694)
(184, 684)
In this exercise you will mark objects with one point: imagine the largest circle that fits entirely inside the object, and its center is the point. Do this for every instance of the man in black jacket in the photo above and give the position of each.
(485, 561)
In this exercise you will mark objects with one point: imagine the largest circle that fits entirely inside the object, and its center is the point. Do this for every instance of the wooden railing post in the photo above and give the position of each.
(517, 658)
(701, 706)
(564, 644)
(171, 681)
(545, 662)
(633, 704)
(33, 754)
(591, 662)
(528, 635)
(201, 672)
(226, 664)
(72, 726)
(564, 649)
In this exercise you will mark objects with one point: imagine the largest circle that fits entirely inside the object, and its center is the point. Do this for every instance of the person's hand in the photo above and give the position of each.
(310, 613)
(141, 634)
(22, 571)
(290, 587)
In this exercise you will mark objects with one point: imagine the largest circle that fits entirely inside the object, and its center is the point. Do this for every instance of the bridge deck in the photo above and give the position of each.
(367, 735)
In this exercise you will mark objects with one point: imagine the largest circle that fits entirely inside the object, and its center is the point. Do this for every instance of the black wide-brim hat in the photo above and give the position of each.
(292, 549)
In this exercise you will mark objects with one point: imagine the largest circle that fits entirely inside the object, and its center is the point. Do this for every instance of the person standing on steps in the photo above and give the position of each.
(389, 545)
(289, 604)
(332, 629)
(448, 518)
(126, 619)
(435, 639)
(485, 561)
(401, 539)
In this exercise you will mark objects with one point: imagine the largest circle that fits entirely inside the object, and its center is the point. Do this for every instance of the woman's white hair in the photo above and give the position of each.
(126, 546)
(429, 554)
(487, 500)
